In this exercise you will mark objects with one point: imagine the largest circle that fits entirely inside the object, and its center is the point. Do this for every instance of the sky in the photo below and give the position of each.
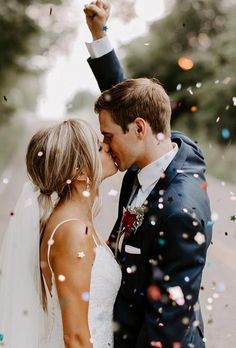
(70, 71)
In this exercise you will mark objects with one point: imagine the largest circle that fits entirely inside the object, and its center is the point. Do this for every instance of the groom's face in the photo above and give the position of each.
(122, 145)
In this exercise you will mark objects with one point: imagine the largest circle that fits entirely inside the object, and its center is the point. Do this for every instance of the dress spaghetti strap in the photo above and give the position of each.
(51, 241)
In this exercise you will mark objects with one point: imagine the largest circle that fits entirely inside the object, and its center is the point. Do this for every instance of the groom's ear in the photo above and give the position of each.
(140, 127)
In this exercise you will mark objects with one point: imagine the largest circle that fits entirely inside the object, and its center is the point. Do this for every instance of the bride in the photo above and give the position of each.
(58, 279)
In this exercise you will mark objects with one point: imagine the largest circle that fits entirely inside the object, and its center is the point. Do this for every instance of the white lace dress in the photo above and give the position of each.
(105, 283)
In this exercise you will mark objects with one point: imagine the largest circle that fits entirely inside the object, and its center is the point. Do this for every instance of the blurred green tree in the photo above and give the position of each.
(202, 33)
(28, 30)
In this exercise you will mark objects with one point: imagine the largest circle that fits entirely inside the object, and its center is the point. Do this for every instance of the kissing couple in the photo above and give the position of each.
(61, 285)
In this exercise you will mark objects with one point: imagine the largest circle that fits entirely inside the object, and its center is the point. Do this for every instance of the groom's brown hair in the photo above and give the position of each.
(134, 98)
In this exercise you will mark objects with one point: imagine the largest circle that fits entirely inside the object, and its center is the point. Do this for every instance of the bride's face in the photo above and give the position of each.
(108, 166)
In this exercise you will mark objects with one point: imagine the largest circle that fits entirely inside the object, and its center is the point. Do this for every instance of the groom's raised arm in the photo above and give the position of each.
(103, 60)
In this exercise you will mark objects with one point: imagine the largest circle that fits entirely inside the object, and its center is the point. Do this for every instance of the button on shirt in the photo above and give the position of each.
(149, 176)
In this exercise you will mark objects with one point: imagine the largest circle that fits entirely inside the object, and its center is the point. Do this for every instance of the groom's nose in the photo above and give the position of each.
(106, 147)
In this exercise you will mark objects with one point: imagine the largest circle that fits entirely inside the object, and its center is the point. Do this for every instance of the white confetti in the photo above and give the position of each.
(200, 238)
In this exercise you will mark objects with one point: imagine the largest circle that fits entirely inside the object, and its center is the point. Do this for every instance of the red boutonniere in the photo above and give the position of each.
(132, 219)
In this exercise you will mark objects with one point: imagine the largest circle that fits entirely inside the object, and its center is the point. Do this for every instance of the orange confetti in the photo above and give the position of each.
(194, 108)
(154, 293)
(204, 185)
(185, 63)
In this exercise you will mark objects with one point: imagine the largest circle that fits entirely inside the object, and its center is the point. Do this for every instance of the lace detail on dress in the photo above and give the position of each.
(105, 283)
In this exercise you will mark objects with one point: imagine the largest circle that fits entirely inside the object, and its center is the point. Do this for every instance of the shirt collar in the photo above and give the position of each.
(152, 172)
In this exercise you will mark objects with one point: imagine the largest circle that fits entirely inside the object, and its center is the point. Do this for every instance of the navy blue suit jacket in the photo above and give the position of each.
(173, 239)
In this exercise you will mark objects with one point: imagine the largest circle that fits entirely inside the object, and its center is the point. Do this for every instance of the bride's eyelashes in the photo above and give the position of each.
(100, 147)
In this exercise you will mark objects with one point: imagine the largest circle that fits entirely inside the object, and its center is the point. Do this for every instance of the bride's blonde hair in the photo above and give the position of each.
(54, 155)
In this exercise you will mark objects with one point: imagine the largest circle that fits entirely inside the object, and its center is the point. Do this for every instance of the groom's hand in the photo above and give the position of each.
(97, 13)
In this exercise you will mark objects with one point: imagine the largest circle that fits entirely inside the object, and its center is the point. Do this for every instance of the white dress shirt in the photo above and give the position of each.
(150, 175)
(148, 178)
(99, 47)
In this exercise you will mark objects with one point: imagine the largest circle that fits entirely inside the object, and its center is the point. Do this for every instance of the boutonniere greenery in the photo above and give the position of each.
(132, 219)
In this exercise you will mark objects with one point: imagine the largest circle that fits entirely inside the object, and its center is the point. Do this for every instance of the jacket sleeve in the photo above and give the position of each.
(174, 290)
(107, 70)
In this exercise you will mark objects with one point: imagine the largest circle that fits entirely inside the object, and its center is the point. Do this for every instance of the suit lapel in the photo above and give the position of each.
(175, 167)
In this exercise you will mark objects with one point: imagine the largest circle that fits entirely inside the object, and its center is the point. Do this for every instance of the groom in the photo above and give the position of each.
(161, 239)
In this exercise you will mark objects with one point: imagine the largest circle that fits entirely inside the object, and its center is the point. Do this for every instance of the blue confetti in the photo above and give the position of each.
(225, 132)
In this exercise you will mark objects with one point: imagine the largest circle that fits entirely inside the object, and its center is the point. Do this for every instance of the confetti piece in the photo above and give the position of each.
(179, 87)
(104, 28)
(40, 154)
(200, 238)
(225, 132)
(185, 63)
(176, 294)
(86, 193)
(185, 321)
(113, 193)
(166, 278)
(131, 269)
(1, 337)
(147, 44)
(107, 97)
(221, 287)
(194, 108)
(154, 293)
(189, 89)
(5, 98)
(186, 279)
(5, 181)
(234, 101)
(156, 344)
(204, 185)
(85, 296)
(80, 254)
(233, 218)
(226, 80)
(160, 137)
(196, 323)
(161, 241)
(214, 217)
(218, 119)
(61, 278)
(198, 84)
(170, 199)
(12, 213)
(50, 13)
(68, 181)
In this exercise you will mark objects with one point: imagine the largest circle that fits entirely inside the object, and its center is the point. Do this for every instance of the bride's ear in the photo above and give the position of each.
(82, 176)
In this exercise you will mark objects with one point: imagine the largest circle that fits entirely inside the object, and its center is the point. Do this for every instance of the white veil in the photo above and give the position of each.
(21, 314)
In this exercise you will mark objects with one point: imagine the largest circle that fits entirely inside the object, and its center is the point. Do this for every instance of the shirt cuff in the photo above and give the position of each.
(99, 47)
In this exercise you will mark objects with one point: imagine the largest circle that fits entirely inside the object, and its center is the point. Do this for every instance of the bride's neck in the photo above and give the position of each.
(79, 204)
